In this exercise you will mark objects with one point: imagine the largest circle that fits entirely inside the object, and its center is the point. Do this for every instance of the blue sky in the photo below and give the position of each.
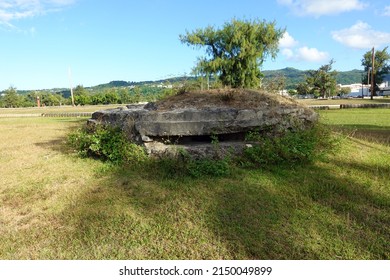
(130, 40)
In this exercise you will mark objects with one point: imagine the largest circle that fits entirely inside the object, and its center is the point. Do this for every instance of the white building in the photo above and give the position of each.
(357, 90)
(165, 86)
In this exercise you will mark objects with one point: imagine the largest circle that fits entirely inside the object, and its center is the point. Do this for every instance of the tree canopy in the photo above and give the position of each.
(321, 82)
(10, 98)
(236, 51)
(381, 65)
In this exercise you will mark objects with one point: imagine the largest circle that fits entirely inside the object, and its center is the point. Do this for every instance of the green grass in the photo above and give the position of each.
(366, 124)
(343, 101)
(55, 205)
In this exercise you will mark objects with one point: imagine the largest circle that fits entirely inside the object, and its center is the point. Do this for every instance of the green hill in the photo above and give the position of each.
(293, 77)
(350, 77)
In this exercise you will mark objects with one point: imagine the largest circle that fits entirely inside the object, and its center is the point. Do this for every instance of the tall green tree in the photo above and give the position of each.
(381, 66)
(303, 88)
(51, 99)
(236, 51)
(81, 96)
(342, 91)
(11, 99)
(31, 98)
(321, 82)
(111, 96)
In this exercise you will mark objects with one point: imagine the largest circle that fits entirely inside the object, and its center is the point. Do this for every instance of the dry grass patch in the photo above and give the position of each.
(56, 109)
(236, 98)
(38, 179)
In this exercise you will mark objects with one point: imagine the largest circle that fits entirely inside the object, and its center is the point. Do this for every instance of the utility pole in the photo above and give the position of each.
(71, 88)
(372, 74)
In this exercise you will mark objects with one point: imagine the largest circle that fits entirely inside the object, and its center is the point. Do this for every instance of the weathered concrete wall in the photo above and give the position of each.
(208, 121)
(149, 125)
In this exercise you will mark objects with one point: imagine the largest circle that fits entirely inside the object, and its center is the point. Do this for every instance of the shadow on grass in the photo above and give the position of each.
(369, 133)
(321, 216)
(275, 214)
(60, 144)
(75, 120)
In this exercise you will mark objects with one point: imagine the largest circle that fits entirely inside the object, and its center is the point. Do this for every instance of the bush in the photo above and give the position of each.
(293, 147)
(111, 144)
(106, 143)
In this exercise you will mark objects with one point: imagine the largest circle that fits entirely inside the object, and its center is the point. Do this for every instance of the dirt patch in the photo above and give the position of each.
(223, 98)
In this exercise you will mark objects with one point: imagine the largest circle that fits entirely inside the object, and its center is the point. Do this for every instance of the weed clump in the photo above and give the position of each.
(107, 143)
(293, 147)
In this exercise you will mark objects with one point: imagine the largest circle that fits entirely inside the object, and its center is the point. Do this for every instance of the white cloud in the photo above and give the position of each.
(305, 54)
(11, 10)
(287, 41)
(387, 11)
(291, 52)
(288, 53)
(318, 8)
(311, 55)
(361, 36)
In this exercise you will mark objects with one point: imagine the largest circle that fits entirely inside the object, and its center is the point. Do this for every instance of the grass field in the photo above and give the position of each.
(55, 205)
(367, 124)
(55, 109)
(343, 101)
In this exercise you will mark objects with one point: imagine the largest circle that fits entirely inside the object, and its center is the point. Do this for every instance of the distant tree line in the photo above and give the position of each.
(294, 76)
(119, 95)
(11, 98)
